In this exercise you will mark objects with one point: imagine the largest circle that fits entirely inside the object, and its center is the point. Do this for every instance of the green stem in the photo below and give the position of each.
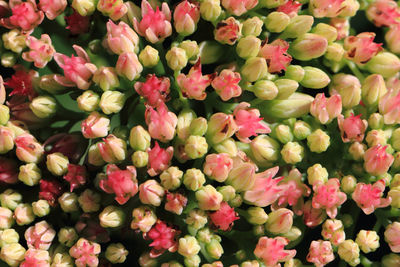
(82, 160)
(182, 99)
(256, 101)
(353, 67)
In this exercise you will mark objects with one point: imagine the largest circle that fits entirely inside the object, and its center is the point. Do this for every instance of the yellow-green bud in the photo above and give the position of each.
(298, 26)
(326, 30)
(24, 214)
(348, 184)
(67, 236)
(106, 78)
(192, 50)
(14, 40)
(145, 260)
(41, 208)
(112, 102)
(385, 64)
(140, 159)
(334, 52)
(43, 106)
(210, 10)
(292, 153)
(185, 118)
(139, 138)
(193, 261)
(149, 57)
(375, 121)
(176, 58)
(391, 260)
(248, 47)
(272, 3)
(208, 198)
(10, 199)
(84, 7)
(88, 101)
(396, 162)
(196, 219)
(283, 133)
(89, 201)
(94, 156)
(198, 126)
(171, 178)
(394, 193)
(357, 151)
(372, 89)
(286, 88)
(252, 26)
(8, 59)
(4, 114)
(205, 235)
(188, 246)
(236, 202)
(196, 146)
(376, 137)
(279, 221)
(276, 21)
(368, 241)
(317, 173)
(193, 179)
(13, 254)
(293, 234)
(349, 251)
(301, 130)
(143, 218)
(8, 236)
(308, 46)
(57, 163)
(314, 78)
(318, 141)
(48, 84)
(210, 51)
(254, 69)
(256, 215)
(6, 218)
(116, 253)
(228, 192)
(265, 90)
(68, 202)
(227, 146)
(111, 217)
(295, 72)
(214, 249)
(395, 140)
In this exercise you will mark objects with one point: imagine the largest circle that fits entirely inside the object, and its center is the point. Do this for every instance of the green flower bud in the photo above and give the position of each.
(196, 146)
(252, 26)
(396, 162)
(24, 214)
(143, 218)
(172, 264)
(326, 30)
(13, 254)
(68, 202)
(139, 138)
(318, 141)
(204, 235)
(10, 199)
(89, 201)
(283, 133)
(67, 236)
(84, 7)
(357, 151)
(188, 246)
(375, 121)
(176, 58)
(236, 202)
(391, 260)
(4, 114)
(210, 51)
(256, 215)
(171, 178)
(265, 90)
(140, 159)
(198, 126)
(41, 208)
(348, 184)
(6, 218)
(196, 219)
(57, 163)
(293, 234)
(210, 10)
(292, 153)
(43, 106)
(228, 192)
(349, 88)
(106, 78)
(94, 156)
(248, 47)
(214, 249)
(372, 89)
(254, 69)
(48, 84)
(317, 173)
(308, 46)
(279, 221)
(334, 52)
(111, 217)
(14, 40)
(314, 78)
(395, 140)
(208, 198)
(276, 21)
(112, 102)
(286, 88)
(8, 59)
(116, 253)
(8, 236)
(271, 3)
(368, 241)
(145, 260)
(193, 179)
(185, 118)
(376, 137)
(149, 57)
(88, 101)
(349, 251)
(17, 127)
(385, 64)
(192, 50)
(294, 72)
(193, 261)
(264, 148)
(62, 260)
(301, 130)
(95, 46)
(298, 26)
(227, 146)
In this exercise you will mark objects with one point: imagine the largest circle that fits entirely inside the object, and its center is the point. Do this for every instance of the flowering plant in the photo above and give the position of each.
(200, 133)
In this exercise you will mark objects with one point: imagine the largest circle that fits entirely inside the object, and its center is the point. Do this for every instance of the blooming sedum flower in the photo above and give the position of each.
(25, 16)
(164, 238)
(40, 236)
(36, 257)
(320, 253)
(377, 161)
(41, 50)
(328, 196)
(368, 241)
(369, 196)
(226, 84)
(85, 253)
(271, 250)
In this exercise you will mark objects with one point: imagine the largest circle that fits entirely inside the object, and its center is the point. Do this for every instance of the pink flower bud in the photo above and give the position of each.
(176, 202)
(164, 238)
(320, 253)
(154, 90)
(78, 70)
(325, 8)
(290, 8)
(41, 51)
(333, 231)
(377, 161)
(352, 128)
(159, 159)
(113, 149)
(151, 192)
(228, 31)
(224, 217)
(392, 236)
(128, 65)
(392, 38)
(161, 123)
(249, 122)
(239, 7)
(121, 38)
(218, 166)
(369, 197)
(186, 17)
(276, 55)
(325, 110)
(226, 84)
(271, 250)
(76, 176)
(25, 16)
(36, 257)
(95, 126)
(52, 8)
(342, 26)
(221, 126)
(122, 183)
(155, 25)
(383, 13)
(389, 106)
(77, 23)
(85, 252)
(328, 196)
(115, 9)
(312, 216)
(361, 48)
(194, 84)
(208, 198)
(8, 171)
(40, 236)
(28, 149)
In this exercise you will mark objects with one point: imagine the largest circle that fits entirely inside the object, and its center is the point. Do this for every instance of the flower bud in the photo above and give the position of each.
(254, 69)
(68, 202)
(196, 146)
(373, 88)
(279, 221)
(116, 253)
(88, 101)
(143, 218)
(192, 50)
(8, 236)
(140, 159)
(272, 3)
(314, 78)
(24, 214)
(149, 57)
(112, 102)
(392, 38)
(114, 9)
(48, 83)
(185, 118)
(106, 78)
(276, 21)
(252, 26)
(390, 260)
(89, 201)
(248, 47)
(318, 141)
(264, 148)
(208, 198)
(111, 217)
(220, 127)
(357, 151)
(193, 179)
(210, 10)
(256, 215)
(176, 58)
(196, 219)
(214, 249)
(326, 30)
(151, 192)
(349, 251)
(301, 130)
(10, 199)
(317, 173)
(210, 51)
(67, 236)
(228, 192)
(41, 208)
(293, 234)
(145, 260)
(334, 52)
(4, 114)
(28, 149)
(283, 133)
(113, 149)
(237, 201)
(198, 126)
(385, 64)
(227, 146)
(377, 160)
(375, 121)
(94, 156)
(95, 126)
(139, 138)
(192, 261)
(298, 26)
(188, 246)
(14, 40)
(13, 254)
(218, 166)
(308, 46)
(295, 72)
(286, 88)
(6, 218)
(43, 106)
(367, 240)
(292, 153)
(242, 175)
(128, 66)
(265, 90)
(84, 7)
(171, 178)
(57, 163)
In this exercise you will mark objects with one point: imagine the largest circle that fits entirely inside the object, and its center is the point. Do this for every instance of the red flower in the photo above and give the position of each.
(50, 190)
(224, 217)
(164, 238)
(291, 8)
(76, 176)
(77, 24)
(154, 90)
(21, 83)
(8, 171)
(25, 16)
(159, 159)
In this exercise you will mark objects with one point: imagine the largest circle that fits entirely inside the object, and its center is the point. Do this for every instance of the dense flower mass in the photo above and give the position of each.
(212, 133)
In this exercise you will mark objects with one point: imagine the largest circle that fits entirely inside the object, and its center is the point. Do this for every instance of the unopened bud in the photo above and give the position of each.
(252, 26)
(265, 89)
(57, 163)
(215, 249)
(10, 199)
(348, 184)
(248, 47)
(208, 198)
(139, 138)
(391, 260)
(188, 246)
(317, 173)
(6, 139)
(349, 251)
(326, 30)
(67, 236)
(8, 59)
(111, 217)
(116, 253)
(48, 83)
(89, 201)
(308, 46)
(14, 40)
(88, 101)
(112, 102)
(94, 156)
(372, 90)
(193, 179)
(210, 10)
(298, 26)
(4, 114)
(292, 153)
(171, 178)
(196, 146)
(295, 72)
(84, 7)
(283, 133)
(41, 208)
(6, 218)
(301, 130)
(334, 52)
(318, 141)
(286, 88)
(68, 202)
(149, 57)
(254, 69)
(106, 78)
(198, 126)
(314, 78)
(192, 50)
(385, 64)
(13, 254)
(43, 106)
(176, 58)
(8, 236)
(140, 159)
(256, 215)
(276, 21)
(271, 3)
(24, 214)
(151, 192)
(279, 221)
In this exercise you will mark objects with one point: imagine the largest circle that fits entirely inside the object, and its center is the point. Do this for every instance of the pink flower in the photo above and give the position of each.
(389, 106)
(121, 38)
(377, 161)
(369, 197)
(76, 176)
(50, 190)
(227, 31)
(290, 8)
(8, 171)
(159, 159)
(112, 149)
(52, 8)
(115, 9)
(78, 70)
(328, 196)
(77, 23)
(122, 183)
(265, 189)
(85, 253)
(392, 236)
(95, 125)
(28, 148)
(154, 90)
(226, 84)
(164, 238)
(383, 13)
(218, 166)
(311, 216)
(224, 217)
(161, 123)
(194, 84)
(249, 122)
(239, 7)
(186, 17)
(155, 26)
(128, 65)
(361, 48)
(25, 16)
(22, 82)
(36, 257)
(352, 128)
(342, 26)
(333, 231)
(40, 236)
(326, 109)
(41, 51)
(325, 8)
(276, 55)
(271, 250)
(176, 202)
(320, 253)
